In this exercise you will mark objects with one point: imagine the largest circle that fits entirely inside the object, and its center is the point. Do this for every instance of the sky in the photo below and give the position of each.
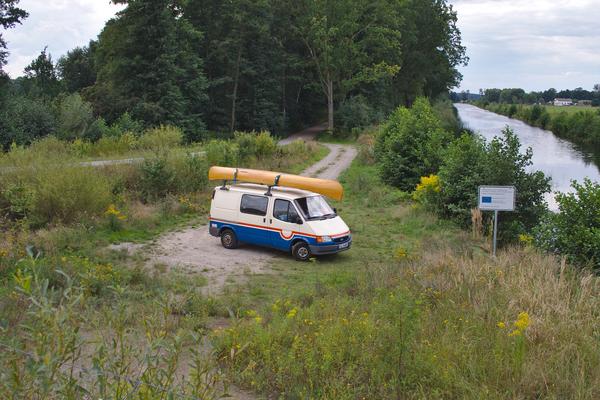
(59, 24)
(532, 44)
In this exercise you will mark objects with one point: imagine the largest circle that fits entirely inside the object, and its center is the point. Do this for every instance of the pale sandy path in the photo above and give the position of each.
(194, 250)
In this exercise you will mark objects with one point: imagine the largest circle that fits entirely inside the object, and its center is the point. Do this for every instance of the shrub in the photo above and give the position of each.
(74, 117)
(410, 145)
(156, 179)
(265, 145)
(222, 152)
(24, 120)
(355, 113)
(68, 194)
(428, 191)
(575, 230)
(190, 173)
(97, 130)
(470, 162)
(161, 139)
(247, 144)
(126, 124)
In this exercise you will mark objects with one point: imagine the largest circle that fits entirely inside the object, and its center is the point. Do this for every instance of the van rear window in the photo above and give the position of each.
(256, 205)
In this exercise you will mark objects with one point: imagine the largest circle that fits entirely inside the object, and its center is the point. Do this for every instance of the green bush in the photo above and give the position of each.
(355, 113)
(222, 152)
(470, 162)
(156, 179)
(69, 193)
(410, 145)
(190, 173)
(575, 230)
(246, 143)
(25, 120)
(265, 145)
(74, 117)
(161, 139)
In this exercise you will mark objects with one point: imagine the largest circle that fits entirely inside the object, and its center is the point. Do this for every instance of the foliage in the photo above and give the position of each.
(428, 191)
(161, 139)
(76, 68)
(410, 145)
(470, 162)
(24, 119)
(156, 179)
(74, 118)
(10, 15)
(575, 230)
(355, 114)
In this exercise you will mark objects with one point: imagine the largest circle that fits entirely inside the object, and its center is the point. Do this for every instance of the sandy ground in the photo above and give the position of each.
(193, 250)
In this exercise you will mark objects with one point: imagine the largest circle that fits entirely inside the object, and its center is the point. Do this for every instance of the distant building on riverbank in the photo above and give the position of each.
(585, 103)
(562, 102)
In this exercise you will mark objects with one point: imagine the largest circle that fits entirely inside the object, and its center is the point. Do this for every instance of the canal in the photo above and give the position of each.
(556, 157)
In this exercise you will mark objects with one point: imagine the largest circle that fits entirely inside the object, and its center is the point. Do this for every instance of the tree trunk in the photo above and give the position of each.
(329, 104)
(236, 80)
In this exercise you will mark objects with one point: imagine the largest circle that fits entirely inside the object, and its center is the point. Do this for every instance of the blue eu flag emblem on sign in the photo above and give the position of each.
(486, 199)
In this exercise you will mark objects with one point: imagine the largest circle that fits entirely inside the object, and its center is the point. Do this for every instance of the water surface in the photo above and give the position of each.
(557, 158)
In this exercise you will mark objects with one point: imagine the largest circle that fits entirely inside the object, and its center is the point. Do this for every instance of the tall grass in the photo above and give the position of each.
(418, 309)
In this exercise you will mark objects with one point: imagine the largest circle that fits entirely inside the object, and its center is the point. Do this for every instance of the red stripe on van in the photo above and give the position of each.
(268, 228)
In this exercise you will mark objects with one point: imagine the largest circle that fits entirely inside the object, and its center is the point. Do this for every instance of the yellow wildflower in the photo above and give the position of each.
(522, 321)
(526, 239)
(292, 313)
(516, 332)
(501, 325)
(401, 253)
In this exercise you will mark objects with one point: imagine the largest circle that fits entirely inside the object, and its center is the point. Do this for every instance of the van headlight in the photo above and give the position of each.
(323, 239)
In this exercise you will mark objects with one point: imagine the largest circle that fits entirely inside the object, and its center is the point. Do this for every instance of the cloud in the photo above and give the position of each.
(533, 44)
(59, 24)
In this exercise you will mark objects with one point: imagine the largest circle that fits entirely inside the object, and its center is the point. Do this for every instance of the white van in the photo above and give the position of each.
(289, 219)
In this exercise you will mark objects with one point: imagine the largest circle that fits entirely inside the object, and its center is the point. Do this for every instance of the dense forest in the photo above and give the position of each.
(213, 66)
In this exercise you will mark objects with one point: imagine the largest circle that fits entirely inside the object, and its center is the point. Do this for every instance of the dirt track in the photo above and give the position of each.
(193, 250)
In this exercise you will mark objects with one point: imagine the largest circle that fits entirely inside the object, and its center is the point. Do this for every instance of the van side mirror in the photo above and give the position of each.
(335, 210)
(298, 221)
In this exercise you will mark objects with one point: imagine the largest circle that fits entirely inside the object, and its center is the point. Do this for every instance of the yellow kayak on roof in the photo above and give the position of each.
(326, 187)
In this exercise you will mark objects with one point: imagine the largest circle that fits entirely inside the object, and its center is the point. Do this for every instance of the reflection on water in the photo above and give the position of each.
(557, 158)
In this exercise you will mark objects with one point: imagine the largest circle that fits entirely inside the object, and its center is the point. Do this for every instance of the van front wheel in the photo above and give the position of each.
(229, 239)
(301, 251)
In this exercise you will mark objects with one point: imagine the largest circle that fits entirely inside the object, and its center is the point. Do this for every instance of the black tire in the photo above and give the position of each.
(229, 239)
(301, 251)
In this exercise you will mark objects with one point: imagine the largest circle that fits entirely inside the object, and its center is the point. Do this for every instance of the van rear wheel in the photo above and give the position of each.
(229, 239)
(301, 251)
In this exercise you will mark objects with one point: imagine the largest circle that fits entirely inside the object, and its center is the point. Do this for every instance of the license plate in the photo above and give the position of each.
(344, 245)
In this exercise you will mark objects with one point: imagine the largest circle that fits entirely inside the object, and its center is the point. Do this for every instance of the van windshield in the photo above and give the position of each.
(315, 207)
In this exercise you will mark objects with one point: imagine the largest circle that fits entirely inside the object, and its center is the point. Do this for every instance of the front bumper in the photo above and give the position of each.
(213, 230)
(330, 248)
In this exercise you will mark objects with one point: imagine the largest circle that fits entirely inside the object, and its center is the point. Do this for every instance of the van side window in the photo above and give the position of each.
(256, 205)
(285, 211)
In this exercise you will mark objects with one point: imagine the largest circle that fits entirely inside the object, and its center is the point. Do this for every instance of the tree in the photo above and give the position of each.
(148, 65)
(337, 35)
(597, 88)
(10, 15)
(40, 76)
(410, 145)
(77, 69)
(431, 50)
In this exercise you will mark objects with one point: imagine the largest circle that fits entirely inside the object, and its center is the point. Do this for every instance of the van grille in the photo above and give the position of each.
(341, 239)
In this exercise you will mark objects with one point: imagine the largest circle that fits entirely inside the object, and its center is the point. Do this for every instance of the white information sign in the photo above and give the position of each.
(497, 198)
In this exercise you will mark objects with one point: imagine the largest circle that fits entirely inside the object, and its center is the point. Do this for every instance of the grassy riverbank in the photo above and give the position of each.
(417, 309)
(580, 125)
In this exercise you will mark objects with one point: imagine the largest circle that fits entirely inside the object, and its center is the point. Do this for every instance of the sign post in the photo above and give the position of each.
(497, 198)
